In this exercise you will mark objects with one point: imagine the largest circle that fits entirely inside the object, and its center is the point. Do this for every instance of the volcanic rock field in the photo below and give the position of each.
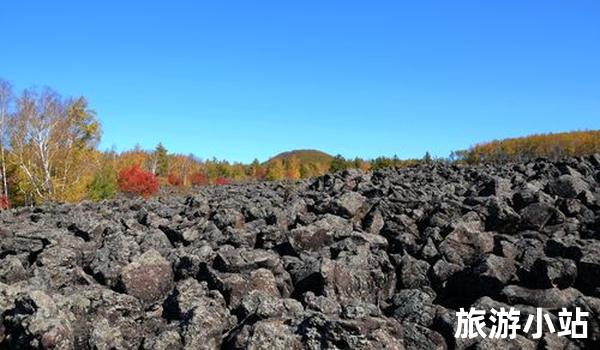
(352, 260)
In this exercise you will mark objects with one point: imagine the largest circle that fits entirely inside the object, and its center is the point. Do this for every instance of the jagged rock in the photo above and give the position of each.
(105, 319)
(487, 278)
(362, 275)
(416, 337)
(321, 304)
(552, 298)
(495, 186)
(263, 306)
(568, 186)
(554, 272)
(350, 204)
(303, 239)
(167, 340)
(466, 244)
(185, 297)
(267, 334)
(500, 216)
(589, 269)
(374, 222)
(38, 322)
(318, 332)
(117, 251)
(413, 273)
(536, 215)
(415, 306)
(239, 260)
(495, 270)
(191, 262)
(228, 218)
(592, 306)
(12, 270)
(205, 324)
(442, 271)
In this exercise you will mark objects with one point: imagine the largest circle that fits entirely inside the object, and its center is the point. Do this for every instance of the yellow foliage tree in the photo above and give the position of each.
(293, 168)
(52, 141)
(275, 170)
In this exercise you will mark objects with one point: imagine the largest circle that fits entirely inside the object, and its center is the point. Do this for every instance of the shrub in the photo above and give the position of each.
(222, 181)
(4, 204)
(135, 181)
(199, 179)
(174, 180)
(103, 185)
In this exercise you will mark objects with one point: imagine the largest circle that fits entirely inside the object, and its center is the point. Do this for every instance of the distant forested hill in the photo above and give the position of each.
(305, 156)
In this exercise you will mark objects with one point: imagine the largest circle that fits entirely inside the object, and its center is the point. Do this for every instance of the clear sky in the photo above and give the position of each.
(245, 79)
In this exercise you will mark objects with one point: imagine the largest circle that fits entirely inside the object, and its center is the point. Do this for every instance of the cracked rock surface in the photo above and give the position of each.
(377, 260)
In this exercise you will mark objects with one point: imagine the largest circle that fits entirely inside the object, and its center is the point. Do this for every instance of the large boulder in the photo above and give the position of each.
(466, 243)
(38, 322)
(148, 278)
(362, 275)
(568, 186)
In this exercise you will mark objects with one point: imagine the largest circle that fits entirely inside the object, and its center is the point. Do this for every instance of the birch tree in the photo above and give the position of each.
(51, 140)
(6, 97)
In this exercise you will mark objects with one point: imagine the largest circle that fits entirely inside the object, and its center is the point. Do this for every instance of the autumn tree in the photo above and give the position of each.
(182, 166)
(361, 164)
(338, 163)
(52, 141)
(160, 161)
(135, 156)
(237, 172)
(382, 162)
(275, 170)
(308, 170)
(223, 169)
(552, 146)
(293, 168)
(104, 183)
(211, 169)
(255, 170)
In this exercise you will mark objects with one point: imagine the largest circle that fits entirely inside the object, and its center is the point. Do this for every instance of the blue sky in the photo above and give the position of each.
(246, 79)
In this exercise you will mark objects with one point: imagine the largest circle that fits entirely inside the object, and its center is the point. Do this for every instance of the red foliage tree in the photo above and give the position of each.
(4, 204)
(222, 181)
(261, 173)
(174, 180)
(135, 181)
(199, 179)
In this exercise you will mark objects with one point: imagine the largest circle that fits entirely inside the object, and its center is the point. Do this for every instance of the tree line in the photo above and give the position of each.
(552, 146)
(49, 152)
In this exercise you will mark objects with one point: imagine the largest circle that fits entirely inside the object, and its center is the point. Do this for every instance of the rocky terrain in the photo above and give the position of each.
(351, 260)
